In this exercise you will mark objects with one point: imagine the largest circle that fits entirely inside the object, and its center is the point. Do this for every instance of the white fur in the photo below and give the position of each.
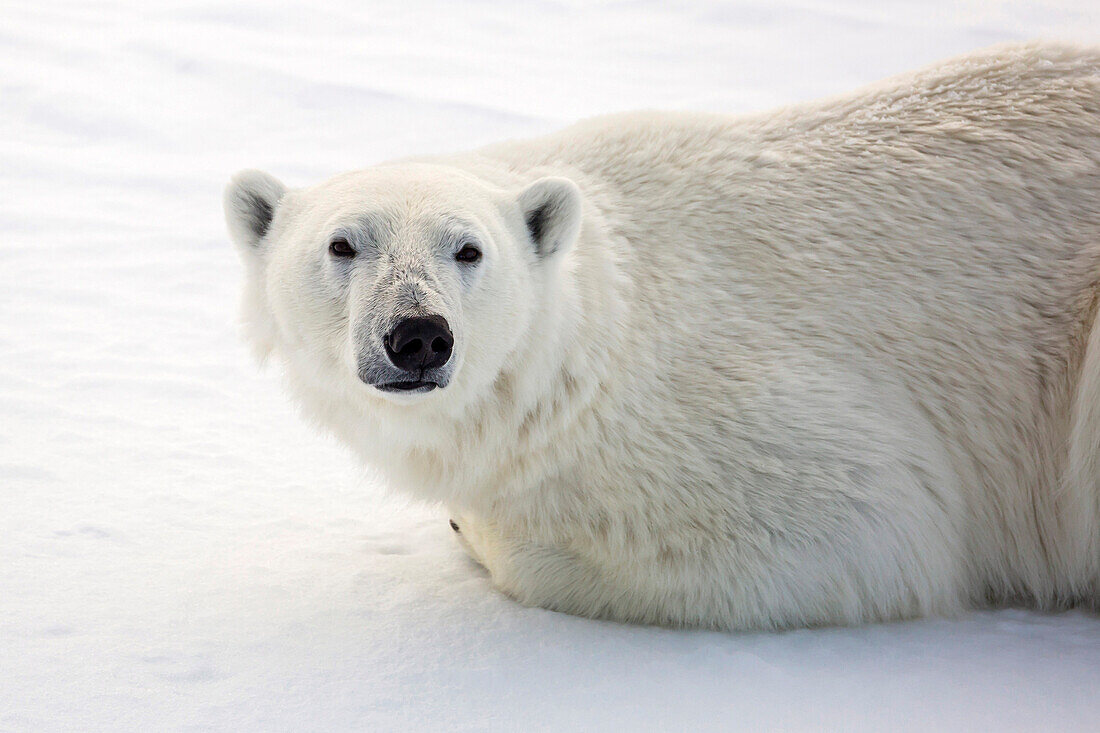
(832, 364)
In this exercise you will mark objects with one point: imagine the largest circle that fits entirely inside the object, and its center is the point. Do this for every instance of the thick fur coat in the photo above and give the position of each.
(831, 364)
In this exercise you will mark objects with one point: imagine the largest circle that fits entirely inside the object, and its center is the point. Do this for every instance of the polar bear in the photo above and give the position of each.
(832, 364)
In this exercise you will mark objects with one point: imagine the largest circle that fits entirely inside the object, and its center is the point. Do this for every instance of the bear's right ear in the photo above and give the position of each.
(250, 202)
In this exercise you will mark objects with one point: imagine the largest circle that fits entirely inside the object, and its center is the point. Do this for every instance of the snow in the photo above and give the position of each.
(178, 551)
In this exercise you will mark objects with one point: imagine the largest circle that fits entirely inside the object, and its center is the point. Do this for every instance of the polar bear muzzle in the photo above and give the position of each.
(417, 345)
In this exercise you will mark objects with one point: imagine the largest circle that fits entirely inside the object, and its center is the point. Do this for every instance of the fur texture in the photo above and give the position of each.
(832, 364)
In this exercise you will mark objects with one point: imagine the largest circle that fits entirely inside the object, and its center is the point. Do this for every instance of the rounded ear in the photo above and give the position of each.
(250, 201)
(552, 210)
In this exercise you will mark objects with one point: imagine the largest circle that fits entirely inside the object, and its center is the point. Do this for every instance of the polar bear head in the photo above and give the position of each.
(405, 285)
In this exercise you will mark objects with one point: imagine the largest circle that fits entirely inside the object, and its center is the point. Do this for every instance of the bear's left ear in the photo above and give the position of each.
(250, 202)
(551, 209)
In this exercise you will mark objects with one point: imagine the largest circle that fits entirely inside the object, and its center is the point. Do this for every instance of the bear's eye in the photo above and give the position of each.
(468, 254)
(340, 247)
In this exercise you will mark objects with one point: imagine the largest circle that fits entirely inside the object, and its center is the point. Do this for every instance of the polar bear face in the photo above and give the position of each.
(401, 285)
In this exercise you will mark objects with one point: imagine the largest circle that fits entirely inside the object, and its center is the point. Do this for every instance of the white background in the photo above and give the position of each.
(179, 551)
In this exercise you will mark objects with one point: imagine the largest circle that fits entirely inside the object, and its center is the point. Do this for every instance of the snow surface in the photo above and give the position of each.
(179, 551)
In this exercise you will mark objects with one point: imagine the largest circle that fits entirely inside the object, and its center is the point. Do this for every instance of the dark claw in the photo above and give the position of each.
(454, 525)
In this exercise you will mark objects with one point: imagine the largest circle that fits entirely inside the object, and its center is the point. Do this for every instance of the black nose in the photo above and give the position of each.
(419, 343)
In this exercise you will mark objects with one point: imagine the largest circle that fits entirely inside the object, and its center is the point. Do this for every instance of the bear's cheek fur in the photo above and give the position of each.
(495, 319)
(310, 316)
